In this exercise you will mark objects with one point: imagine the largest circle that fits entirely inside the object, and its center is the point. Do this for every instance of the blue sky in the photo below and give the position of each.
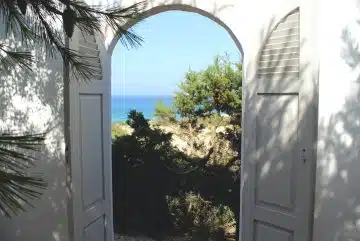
(174, 41)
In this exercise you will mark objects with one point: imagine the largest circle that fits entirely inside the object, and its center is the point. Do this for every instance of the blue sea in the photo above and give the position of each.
(121, 105)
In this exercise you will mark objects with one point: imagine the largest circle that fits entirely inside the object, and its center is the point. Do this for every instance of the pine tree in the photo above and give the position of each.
(217, 89)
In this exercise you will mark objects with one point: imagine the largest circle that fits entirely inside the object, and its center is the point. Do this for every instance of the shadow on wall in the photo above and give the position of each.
(338, 197)
(33, 102)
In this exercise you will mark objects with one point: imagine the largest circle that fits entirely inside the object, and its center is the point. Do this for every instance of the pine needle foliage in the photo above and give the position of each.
(17, 187)
(36, 22)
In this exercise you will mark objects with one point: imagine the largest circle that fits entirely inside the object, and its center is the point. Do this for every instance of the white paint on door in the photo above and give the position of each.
(274, 199)
(90, 148)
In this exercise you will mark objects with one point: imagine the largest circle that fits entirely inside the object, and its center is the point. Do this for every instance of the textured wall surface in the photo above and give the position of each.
(337, 206)
(34, 102)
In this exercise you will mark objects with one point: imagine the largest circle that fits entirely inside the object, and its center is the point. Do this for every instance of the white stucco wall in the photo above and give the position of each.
(337, 207)
(33, 102)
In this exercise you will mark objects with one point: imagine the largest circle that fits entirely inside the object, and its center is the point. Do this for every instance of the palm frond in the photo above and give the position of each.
(17, 187)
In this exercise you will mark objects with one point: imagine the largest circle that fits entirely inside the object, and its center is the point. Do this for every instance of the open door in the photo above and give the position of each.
(276, 165)
(90, 147)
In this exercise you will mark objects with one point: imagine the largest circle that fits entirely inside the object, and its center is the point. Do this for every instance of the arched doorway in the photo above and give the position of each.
(266, 214)
(150, 73)
(189, 9)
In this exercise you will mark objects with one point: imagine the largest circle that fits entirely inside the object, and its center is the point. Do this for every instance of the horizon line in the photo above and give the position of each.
(150, 95)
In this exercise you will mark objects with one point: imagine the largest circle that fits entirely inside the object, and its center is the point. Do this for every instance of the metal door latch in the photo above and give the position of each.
(303, 155)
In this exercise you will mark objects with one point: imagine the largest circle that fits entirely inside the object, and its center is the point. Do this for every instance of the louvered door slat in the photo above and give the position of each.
(273, 199)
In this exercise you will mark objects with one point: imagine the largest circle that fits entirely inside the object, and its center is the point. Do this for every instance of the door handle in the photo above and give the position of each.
(303, 155)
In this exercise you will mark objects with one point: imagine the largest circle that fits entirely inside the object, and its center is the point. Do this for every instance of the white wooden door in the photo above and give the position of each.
(90, 145)
(276, 185)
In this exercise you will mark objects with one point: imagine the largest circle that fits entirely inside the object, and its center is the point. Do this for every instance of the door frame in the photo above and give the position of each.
(248, 74)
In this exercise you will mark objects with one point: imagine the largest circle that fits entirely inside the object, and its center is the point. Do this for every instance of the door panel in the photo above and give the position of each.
(96, 230)
(276, 142)
(266, 232)
(90, 146)
(92, 161)
(274, 192)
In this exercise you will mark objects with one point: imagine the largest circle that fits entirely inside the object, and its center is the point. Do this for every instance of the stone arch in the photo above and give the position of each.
(191, 7)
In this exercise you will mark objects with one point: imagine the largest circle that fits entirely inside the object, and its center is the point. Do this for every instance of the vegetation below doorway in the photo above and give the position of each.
(179, 175)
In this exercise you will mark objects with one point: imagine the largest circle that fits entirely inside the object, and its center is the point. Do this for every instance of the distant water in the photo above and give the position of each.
(121, 105)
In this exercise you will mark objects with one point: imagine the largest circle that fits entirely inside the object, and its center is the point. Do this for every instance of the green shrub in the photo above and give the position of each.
(216, 89)
(163, 112)
(160, 191)
(198, 218)
(118, 130)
